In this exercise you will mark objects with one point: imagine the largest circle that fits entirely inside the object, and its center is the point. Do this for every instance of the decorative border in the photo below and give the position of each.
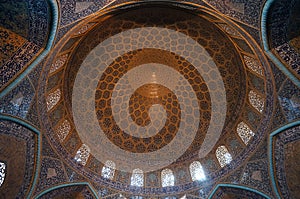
(53, 29)
(67, 185)
(34, 130)
(270, 153)
(237, 187)
(266, 45)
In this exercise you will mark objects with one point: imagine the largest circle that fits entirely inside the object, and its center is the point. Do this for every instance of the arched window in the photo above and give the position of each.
(253, 65)
(63, 130)
(244, 132)
(59, 63)
(2, 172)
(137, 178)
(167, 178)
(229, 29)
(197, 172)
(53, 98)
(82, 154)
(108, 170)
(256, 101)
(223, 156)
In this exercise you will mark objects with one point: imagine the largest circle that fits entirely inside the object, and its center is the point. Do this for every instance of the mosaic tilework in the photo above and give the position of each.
(52, 173)
(9, 44)
(254, 32)
(294, 27)
(47, 150)
(17, 102)
(27, 18)
(261, 151)
(286, 152)
(181, 173)
(39, 21)
(203, 192)
(279, 77)
(256, 174)
(96, 166)
(290, 56)
(279, 20)
(74, 10)
(17, 62)
(278, 117)
(73, 176)
(231, 192)
(289, 98)
(73, 191)
(245, 11)
(234, 177)
(229, 82)
(103, 191)
(32, 116)
(256, 83)
(35, 74)
(14, 15)
(63, 30)
(19, 152)
(152, 179)
(173, 188)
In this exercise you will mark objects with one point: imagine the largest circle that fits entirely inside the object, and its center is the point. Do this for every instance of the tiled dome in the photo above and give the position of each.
(153, 87)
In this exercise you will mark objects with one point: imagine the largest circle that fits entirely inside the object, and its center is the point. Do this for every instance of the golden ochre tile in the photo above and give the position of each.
(10, 42)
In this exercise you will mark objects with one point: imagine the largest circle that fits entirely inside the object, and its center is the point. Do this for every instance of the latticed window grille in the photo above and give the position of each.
(197, 172)
(137, 178)
(108, 170)
(244, 132)
(167, 178)
(82, 154)
(223, 156)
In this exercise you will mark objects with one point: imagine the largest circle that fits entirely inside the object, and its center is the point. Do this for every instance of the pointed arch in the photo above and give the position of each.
(137, 178)
(167, 178)
(196, 171)
(108, 170)
(223, 156)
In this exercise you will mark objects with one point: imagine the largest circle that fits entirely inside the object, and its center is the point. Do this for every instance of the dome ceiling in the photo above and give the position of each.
(153, 88)
(149, 99)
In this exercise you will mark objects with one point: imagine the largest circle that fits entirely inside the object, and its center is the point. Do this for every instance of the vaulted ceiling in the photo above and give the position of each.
(149, 99)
